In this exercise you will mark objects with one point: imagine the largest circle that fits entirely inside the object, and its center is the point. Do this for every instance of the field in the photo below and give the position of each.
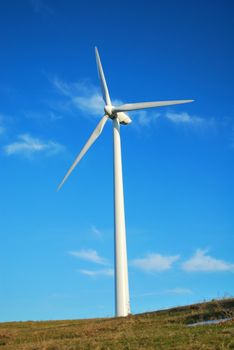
(167, 329)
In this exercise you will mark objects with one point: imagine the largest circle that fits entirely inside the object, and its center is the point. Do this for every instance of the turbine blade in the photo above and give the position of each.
(105, 92)
(143, 105)
(96, 133)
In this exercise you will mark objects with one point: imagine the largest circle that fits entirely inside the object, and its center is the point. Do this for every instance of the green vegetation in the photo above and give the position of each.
(165, 329)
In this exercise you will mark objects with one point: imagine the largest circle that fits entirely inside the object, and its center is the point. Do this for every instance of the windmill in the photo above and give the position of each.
(117, 115)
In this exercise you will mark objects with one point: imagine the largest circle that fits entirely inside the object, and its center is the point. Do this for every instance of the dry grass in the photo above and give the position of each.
(156, 330)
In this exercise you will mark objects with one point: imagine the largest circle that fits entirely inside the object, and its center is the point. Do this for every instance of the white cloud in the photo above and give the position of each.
(39, 6)
(62, 87)
(36, 5)
(2, 128)
(146, 118)
(173, 291)
(96, 232)
(179, 291)
(85, 97)
(91, 104)
(44, 115)
(97, 273)
(89, 255)
(155, 262)
(200, 261)
(183, 118)
(28, 145)
(82, 95)
(143, 118)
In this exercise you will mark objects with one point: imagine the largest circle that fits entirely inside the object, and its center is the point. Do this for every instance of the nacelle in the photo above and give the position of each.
(123, 118)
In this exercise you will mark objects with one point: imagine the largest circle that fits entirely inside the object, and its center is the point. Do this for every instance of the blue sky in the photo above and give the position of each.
(56, 258)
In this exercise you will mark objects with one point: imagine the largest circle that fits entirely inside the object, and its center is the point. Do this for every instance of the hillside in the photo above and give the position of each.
(167, 329)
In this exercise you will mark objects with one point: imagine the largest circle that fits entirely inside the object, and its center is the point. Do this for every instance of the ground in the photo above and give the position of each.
(167, 329)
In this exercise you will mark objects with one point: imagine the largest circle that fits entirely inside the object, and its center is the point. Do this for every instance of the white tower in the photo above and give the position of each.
(117, 115)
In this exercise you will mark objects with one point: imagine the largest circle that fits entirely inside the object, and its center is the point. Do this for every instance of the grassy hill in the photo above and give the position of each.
(167, 329)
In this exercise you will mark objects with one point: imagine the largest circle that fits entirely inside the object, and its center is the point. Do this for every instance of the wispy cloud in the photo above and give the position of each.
(28, 145)
(92, 104)
(179, 291)
(49, 115)
(184, 118)
(39, 6)
(82, 96)
(36, 5)
(86, 97)
(200, 261)
(64, 88)
(173, 291)
(98, 273)
(2, 127)
(155, 262)
(144, 118)
(89, 255)
(147, 118)
(96, 232)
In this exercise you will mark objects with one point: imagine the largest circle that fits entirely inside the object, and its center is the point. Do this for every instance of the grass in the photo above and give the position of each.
(159, 330)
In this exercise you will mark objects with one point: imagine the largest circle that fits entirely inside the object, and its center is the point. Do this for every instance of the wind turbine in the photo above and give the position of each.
(117, 115)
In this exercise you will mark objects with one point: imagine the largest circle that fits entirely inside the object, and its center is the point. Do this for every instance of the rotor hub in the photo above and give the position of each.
(108, 110)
